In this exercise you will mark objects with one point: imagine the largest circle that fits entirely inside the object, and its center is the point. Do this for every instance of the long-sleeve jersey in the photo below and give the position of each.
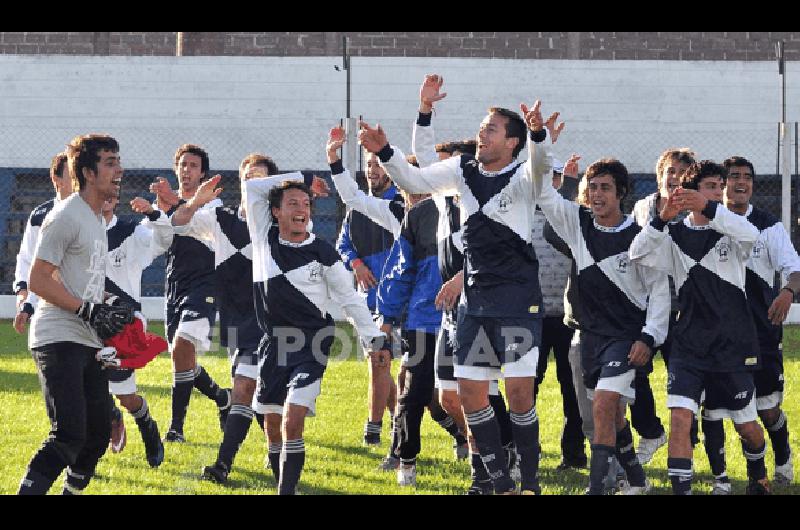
(27, 249)
(618, 298)
(572, 305)
(295, 280)
(715, 330)
(364, 239)
(226, 228)
(386, 213)
(500, 265)
(132, 247)
(411, 278)
(773, 253)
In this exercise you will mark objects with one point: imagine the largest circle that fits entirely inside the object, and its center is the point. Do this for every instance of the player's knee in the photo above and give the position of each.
(751, 433)
(272, 425)
(680, 423)
(131, 402)
(450, 402)
(243, 390)
(770, 416)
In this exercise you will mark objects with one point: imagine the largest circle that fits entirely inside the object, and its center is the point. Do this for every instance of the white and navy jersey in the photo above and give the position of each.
(132, 247)
(226, 228)
(500, 266)
(386, 213)
(773, 253)
(294, 281)
(715, 330)
(190, 263)
(618, 299)
(27, 248)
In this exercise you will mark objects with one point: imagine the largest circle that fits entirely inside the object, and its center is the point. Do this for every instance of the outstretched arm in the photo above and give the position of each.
(422, 139)
(340, 288)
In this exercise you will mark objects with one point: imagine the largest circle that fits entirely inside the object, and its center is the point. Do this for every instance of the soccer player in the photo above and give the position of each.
(614, 343)
(71, 320)
(714, 347)
(132, 247)
(364, 245)
(772, 253)
(671, 165)
(26, 300)
(189, 293)
(500, 278)
(295, 274)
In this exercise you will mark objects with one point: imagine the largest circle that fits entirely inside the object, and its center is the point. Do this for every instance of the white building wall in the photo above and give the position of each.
(284, 105)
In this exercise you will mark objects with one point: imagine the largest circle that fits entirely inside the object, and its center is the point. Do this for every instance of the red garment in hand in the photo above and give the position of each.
(135, 347)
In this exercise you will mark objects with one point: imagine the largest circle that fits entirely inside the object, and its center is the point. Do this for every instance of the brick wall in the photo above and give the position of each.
(739, 46)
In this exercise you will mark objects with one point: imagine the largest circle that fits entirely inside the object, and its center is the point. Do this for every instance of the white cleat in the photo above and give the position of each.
(648, 447)
(721, 488)
(784, 475)
(407, 475)
(636, 490)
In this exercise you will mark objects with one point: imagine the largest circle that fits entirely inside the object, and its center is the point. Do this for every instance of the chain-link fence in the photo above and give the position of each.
(147, 153)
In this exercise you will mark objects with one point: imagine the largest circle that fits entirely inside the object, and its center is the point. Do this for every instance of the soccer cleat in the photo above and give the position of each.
(481, 488)
(721, 487)
(461, 451)
(784, 475)
(407, 475)
(118, 436)
(174, 436)
(223, 411)
(758, 487)
(372, 438)
(635, 490)
(389, 463)
(571, 463)
(648, 447)
(217, 473)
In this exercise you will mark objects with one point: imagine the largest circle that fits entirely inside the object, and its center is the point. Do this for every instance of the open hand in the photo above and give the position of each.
(207, 191)
(553, 130)
(640, 353)
(533, 116)
(429, 92)
(373, 140)
(571, 167)
(319, 187)
(140, 205)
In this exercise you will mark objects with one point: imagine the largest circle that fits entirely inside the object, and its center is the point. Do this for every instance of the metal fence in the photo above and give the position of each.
(147, 153)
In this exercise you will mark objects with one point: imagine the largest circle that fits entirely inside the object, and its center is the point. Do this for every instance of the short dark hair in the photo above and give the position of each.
(515, 127)
(257, 159)
(57, 164)
(467, 147)
(739, 161)
(83, 152)
(193, 150)
(613, 167)
(700, 170)
(276, 193)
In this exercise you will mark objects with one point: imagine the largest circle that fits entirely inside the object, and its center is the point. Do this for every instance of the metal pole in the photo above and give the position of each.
(787, 131)
(346, 62)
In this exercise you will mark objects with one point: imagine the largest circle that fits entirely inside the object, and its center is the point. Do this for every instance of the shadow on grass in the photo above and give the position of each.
(20, 382)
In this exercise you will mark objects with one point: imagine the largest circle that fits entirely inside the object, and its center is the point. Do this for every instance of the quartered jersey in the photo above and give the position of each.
(618, 299)
(715, 330)
(500, 265)
(132, 247)
(227, 231)
(773, 253)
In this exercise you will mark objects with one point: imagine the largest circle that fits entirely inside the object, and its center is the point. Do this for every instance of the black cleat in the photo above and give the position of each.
(758, 487)
(571, 463)
(217, 473)
(174, 436)
(480, 488)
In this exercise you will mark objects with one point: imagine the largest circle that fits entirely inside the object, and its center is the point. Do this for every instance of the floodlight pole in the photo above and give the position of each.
(784, 145)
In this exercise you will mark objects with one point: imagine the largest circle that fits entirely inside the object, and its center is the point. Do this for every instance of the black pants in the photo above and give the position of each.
(76, 396)
(557, 337)
(643, 411)
(417, 391)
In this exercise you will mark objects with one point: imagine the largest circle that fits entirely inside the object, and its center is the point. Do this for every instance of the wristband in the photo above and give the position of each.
(20, 286)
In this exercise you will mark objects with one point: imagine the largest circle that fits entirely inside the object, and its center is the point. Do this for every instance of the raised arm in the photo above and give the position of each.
(386, 214)
(442, 177)
(422, 138)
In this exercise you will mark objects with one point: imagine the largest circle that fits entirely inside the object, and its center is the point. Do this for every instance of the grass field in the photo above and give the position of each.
(336, 462)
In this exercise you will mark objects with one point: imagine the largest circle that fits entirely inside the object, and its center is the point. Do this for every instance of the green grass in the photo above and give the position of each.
(336, 462)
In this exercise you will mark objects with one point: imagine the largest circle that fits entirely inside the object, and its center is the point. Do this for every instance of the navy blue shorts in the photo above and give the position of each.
(192, 316)
(769, 381)
(484, 345)
(604, 361)
(725, 394)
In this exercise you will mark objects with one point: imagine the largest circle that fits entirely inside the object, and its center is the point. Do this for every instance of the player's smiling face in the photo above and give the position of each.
(603, 199)
(190, 172)
(108, 177)
(671, 177)
(739, 188)
(293, 215)
(376, 175)
(493, 145)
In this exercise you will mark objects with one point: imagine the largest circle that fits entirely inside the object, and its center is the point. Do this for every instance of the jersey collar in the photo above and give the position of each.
(306, 241)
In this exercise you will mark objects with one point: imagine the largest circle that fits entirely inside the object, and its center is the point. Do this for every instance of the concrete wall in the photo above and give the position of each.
(284, 105)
